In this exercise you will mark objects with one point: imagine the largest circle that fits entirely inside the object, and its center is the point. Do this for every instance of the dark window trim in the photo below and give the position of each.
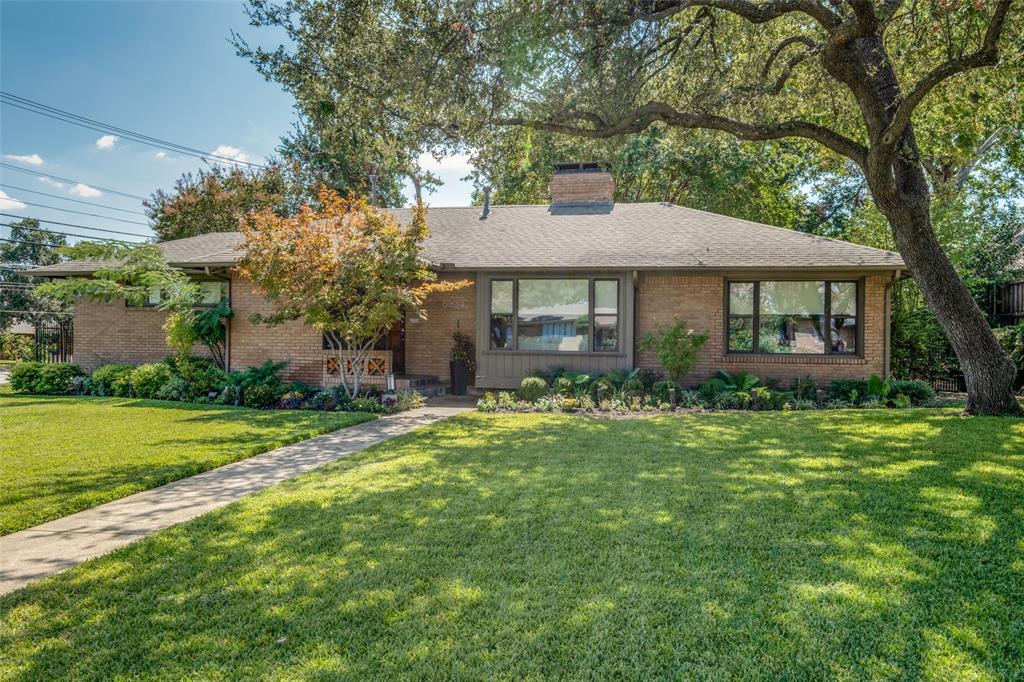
(756, 323)
(591, 280)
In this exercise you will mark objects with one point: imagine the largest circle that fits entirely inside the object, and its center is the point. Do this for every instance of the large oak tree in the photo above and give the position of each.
(898, 88)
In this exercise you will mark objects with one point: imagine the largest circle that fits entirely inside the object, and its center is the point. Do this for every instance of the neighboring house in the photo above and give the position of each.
(1008, 303)
(575, 284)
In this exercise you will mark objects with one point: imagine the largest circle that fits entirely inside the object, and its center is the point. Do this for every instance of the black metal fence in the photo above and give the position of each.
(55, 342)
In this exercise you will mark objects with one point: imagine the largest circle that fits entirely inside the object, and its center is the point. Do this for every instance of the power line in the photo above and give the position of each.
(87, 237)
(77, 201)
(82, 227)
(99, 126)
(94, 215)
(74, 182)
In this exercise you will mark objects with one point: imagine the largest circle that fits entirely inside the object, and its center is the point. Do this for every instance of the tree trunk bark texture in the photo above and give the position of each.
(987, 368)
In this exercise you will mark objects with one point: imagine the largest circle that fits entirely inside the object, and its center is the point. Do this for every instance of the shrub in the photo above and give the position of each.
(660, 390)
(532, 388)
(201, 376)
(805, 388)
(322, 400)
(691, 400)
(563, 385)
(585, 402)
(919, 392)
(176, 388)
(261, 396)
(878, 388)
(24, 376)
(371, 405)
(842, 388)
(45, 378)
(901, 401)
(676, 348)
(488, 403)
(112, 379)
(16, 347)
(410, 400)
(507, 401)
(147, 380)
(292, 400)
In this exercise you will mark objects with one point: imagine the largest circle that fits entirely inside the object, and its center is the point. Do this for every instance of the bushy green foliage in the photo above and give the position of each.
(660, 390)
(364, 404)
(676, 348)
(16, 347)
(919, 392)
(532, 388)
(148, 379)
(112, 380)
(45, 378)
(410, 400)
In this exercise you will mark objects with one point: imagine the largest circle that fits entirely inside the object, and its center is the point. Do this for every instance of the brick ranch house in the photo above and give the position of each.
(574, 284)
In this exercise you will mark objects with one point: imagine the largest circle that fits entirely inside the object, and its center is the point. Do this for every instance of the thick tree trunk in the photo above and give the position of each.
(988, 369)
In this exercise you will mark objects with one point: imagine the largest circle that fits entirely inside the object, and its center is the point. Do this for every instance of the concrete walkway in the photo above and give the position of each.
(47, 549)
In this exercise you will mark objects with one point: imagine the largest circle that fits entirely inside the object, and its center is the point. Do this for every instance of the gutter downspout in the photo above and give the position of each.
(887, 352)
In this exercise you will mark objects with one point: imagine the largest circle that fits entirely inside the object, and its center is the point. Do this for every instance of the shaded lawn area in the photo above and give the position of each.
(59, 455)
(840, 544)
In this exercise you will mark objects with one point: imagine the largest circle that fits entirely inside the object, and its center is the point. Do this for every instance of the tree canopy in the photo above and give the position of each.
(912, 94)
(28, 246)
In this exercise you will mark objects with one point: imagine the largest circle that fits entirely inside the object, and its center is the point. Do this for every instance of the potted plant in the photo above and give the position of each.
(463, 362)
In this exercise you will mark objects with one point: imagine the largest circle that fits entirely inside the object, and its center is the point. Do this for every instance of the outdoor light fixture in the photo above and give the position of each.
(391, 382)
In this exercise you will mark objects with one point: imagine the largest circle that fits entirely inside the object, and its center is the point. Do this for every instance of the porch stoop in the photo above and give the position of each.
(428, 386)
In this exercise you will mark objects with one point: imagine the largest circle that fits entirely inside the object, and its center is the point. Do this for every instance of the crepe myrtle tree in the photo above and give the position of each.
(892, 88)
(131, 272)
(347, 269)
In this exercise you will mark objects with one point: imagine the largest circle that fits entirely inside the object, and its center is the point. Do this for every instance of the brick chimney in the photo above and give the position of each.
(581, 184)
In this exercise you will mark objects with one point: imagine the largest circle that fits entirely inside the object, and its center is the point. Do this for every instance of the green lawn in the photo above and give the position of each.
(810, 545)
(61, 455)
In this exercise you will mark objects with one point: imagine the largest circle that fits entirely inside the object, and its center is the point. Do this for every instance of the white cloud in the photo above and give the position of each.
(230, 152)
(30, 159)
(8, 203)
(83, 190)
(164, 156)
(106, 142)
(51, 183)
(456, 163)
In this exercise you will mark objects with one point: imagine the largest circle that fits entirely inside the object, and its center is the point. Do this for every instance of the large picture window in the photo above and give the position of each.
(800, 317)
(210, 294)
(573, 315)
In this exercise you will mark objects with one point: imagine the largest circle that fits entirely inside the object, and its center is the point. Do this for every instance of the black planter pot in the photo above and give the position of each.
(460, 376)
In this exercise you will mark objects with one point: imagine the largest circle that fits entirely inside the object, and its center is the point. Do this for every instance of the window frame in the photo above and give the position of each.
(226, 285)
(591, 279)
(827, 316)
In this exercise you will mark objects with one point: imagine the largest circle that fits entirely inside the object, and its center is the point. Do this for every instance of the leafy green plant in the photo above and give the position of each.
(210, 328)
(901, 401)
(16, 347)
(919, 392)
(660, 390)
(54, 378)
(147, 380)
(878, 388)
(676, 348)
(804, 388)
(463, 349)
(532, 388)
(112, 379)
(322, 400)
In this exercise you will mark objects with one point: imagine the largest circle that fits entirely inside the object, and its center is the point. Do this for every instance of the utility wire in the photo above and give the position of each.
(74, 182)
(93, 215)
(82, 227)
(77, 201)
(99, 126)
(87, 237)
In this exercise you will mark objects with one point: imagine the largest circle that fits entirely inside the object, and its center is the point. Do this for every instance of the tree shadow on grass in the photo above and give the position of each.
(752, 546)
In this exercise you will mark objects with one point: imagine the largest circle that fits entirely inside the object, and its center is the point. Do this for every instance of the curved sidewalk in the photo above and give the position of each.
(55, 546)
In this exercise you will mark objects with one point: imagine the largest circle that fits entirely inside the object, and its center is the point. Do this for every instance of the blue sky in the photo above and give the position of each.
(164, 69)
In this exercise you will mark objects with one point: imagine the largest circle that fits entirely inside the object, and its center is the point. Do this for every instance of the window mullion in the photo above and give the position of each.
(515, 314)
(828, 317)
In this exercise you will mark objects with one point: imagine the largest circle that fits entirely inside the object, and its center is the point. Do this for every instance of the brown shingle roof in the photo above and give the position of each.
(634, 236)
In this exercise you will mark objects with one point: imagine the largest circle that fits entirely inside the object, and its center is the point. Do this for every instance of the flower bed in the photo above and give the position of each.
(198, 380)
(638, 392)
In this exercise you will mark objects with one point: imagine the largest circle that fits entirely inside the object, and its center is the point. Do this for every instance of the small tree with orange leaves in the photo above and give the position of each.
(348, 270)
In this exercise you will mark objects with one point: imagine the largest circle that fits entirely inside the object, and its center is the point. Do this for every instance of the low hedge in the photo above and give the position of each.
(45, 378)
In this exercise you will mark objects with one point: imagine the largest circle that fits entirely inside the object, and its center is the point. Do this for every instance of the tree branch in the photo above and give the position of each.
(986, 55)
(754, 13)
(641, 117)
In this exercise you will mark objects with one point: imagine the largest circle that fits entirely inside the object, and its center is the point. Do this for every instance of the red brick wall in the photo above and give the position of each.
(428, 342)
(114, 332)
(699, 300)
(251, 344)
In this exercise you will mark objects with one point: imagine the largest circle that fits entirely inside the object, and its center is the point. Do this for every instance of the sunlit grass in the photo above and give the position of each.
(819, 545)
(61, 455)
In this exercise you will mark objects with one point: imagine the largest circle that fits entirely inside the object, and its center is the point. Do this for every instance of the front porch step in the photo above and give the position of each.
(414, 381)
(433, 390)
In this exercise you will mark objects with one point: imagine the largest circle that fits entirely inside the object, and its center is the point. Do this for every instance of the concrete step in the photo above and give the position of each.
(428, 390)
(414, 381)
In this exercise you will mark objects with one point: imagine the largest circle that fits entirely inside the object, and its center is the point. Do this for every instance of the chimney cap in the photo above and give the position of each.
(581, 167)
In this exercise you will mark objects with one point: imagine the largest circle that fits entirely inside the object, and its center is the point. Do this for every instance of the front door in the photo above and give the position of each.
(395, 342)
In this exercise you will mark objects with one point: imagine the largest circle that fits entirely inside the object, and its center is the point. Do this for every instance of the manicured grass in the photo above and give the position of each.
(59, 455)
(816, 545)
